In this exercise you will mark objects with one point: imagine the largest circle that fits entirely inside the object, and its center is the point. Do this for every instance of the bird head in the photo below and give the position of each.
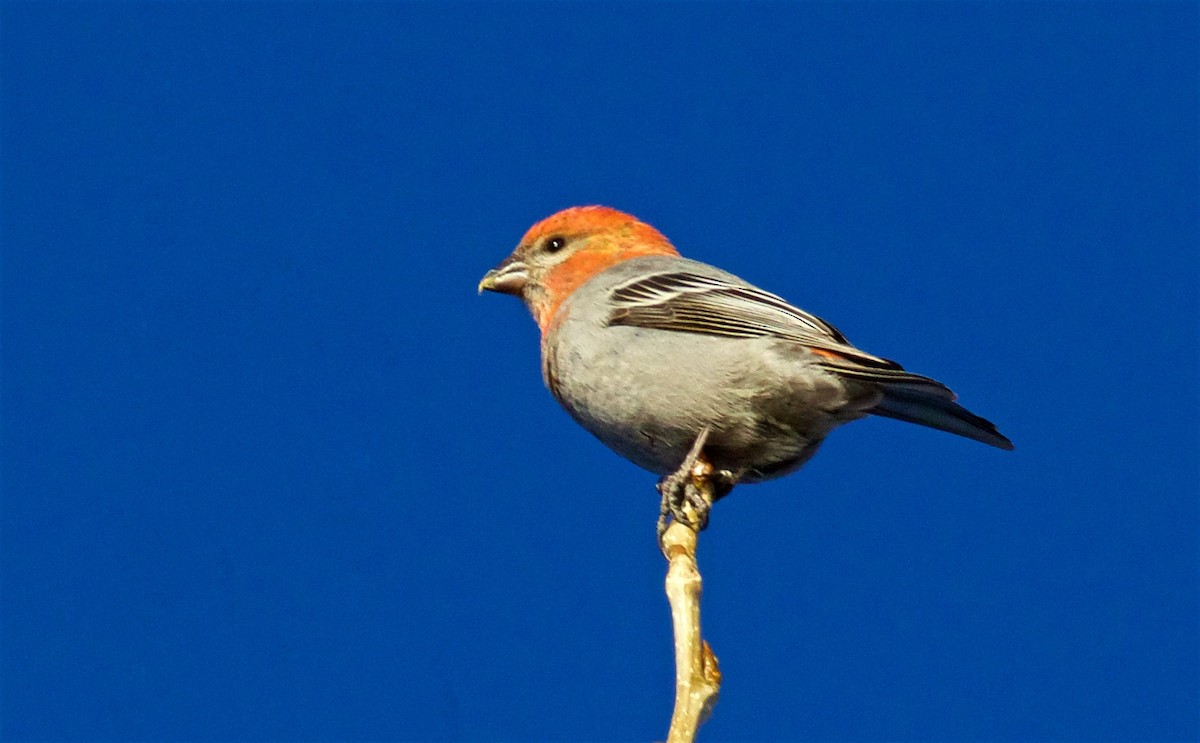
(564, 250)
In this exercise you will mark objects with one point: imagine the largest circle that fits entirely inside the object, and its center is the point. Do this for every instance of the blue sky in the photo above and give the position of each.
(272, 471)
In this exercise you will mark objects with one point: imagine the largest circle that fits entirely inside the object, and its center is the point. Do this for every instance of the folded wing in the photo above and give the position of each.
(688, 302)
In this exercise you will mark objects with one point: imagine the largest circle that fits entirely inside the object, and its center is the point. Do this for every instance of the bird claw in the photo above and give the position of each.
(682, 501)
(687, 494)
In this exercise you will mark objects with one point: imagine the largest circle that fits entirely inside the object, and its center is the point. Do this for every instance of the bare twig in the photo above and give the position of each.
(697, 677)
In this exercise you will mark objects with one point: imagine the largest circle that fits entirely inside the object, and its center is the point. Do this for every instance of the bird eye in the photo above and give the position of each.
(555, 244)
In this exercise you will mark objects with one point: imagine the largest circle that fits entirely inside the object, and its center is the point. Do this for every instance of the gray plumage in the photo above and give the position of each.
(649, 351)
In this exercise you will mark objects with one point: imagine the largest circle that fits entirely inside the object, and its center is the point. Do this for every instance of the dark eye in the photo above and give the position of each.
(555, 244)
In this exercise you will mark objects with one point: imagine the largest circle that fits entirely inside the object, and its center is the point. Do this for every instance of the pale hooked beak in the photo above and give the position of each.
(507, 278)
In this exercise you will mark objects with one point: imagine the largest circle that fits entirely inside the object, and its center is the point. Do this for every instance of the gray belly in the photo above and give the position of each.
(648, 393)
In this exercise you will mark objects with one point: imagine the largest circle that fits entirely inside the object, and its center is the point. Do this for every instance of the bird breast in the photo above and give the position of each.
(647, 393)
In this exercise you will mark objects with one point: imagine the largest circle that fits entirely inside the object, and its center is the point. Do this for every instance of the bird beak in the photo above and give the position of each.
(507, 278)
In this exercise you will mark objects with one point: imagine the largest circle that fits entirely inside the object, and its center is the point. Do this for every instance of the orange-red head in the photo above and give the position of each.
(566, 249)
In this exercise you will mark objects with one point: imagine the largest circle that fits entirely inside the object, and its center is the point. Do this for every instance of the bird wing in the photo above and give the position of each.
(687, 302)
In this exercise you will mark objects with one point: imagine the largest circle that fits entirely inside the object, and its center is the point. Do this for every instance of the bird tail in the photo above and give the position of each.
(929, 403)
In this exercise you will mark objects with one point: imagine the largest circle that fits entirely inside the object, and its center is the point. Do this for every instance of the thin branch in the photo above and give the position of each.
(697, 677)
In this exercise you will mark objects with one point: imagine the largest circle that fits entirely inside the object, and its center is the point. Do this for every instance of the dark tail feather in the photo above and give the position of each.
(935, 407)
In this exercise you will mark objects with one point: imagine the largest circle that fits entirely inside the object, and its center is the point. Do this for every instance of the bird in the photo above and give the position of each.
(668, 360)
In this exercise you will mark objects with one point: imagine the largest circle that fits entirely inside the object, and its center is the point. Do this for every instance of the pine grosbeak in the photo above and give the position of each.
(654, 353)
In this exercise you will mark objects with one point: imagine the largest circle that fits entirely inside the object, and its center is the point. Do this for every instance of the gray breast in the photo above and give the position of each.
(647, 393)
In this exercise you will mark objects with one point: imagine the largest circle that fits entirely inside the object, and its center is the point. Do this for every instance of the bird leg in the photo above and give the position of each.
(687, 494)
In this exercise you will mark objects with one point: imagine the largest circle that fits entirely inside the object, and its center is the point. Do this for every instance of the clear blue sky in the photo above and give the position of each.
(272, 471)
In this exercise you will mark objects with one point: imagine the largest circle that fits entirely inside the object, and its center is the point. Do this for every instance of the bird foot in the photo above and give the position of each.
(687, 494)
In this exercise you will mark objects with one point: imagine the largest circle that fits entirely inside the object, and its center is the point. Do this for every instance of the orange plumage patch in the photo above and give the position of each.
(826, 353)
(609, 237)
(597, 220)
